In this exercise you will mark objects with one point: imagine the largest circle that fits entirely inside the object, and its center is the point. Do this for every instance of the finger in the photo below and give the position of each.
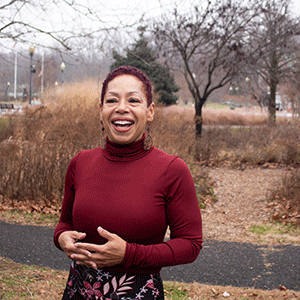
(87, 247)
(89, 264)
(82, 251)
(80, 236)
(80, 257)
(106, 234)
(72, 248)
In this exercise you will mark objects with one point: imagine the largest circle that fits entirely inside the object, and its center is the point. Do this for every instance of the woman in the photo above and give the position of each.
(119, 201)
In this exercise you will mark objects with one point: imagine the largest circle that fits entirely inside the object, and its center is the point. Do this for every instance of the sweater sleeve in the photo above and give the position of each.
(184, 219)
(66, 219)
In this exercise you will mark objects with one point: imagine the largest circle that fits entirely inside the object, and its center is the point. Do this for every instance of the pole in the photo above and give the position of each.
(247, 92)
(247, 80)
(62, 67)
(15, 79)
(30, 92)
(42, 80)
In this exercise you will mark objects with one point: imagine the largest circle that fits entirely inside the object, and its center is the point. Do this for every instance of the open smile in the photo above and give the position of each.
(122, 125)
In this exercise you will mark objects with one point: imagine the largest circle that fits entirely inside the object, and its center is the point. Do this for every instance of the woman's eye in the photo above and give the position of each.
(133, 100)
(111, 100)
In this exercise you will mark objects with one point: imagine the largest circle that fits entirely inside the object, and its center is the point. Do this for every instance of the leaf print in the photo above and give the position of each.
(122, 279)
(150, 284)
(114, 283)
(97, 293)
(96, 285)
(124, 288)
(100, 285)
(106, 288)
(87, 285)
(130, 278)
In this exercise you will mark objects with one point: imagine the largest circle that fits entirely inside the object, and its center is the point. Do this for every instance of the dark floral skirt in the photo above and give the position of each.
(87, 283)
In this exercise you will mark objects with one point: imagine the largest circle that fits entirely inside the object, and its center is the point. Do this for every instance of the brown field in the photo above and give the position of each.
(36, 147)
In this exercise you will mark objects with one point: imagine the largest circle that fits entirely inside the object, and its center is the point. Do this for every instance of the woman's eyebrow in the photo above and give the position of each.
(133, 92)
(127, 94)
(113, 93)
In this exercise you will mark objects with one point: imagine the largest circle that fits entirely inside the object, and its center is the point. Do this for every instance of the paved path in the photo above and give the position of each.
(219, 263)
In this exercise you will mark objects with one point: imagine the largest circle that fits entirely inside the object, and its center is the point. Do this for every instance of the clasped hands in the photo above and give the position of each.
(92, 255)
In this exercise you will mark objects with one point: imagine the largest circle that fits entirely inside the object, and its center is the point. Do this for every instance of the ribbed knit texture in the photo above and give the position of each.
(136, 194)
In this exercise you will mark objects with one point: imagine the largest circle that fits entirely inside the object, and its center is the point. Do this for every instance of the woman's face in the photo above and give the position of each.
(124, 111)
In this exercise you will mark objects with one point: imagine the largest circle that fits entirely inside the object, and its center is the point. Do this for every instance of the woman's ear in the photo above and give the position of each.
(101, 108)
(151, 111)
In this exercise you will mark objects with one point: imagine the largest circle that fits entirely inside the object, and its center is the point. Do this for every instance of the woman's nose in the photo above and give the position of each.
(122, 107)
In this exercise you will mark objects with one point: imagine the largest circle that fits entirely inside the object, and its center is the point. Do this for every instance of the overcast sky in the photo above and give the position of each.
(296, 7)
(102, 14)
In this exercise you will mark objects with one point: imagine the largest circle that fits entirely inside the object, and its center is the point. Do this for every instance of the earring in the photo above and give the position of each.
(102, 140)
(148, 141)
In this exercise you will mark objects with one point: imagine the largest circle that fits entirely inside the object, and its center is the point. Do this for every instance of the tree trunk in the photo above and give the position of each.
(273, 86)
(272, 103)
(198, 128)
(198, 118)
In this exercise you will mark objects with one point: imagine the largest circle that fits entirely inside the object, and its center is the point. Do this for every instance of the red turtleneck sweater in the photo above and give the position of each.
(135, 194)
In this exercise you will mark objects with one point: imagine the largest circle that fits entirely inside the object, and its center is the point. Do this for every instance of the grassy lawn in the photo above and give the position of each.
(19, 281)
(29, 218)
(32, 282)
(282, 233)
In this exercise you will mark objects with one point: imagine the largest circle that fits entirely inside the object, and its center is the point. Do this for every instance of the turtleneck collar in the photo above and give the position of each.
(125, 152)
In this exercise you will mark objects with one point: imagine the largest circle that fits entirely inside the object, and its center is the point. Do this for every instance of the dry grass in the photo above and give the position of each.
(30, 282)
(36, 146)
(40, 143)
(285, 199)
(37, 283)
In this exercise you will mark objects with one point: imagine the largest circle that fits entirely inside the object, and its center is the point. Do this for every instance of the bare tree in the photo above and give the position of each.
(209, 41)
(79, 31)
(291, 89)
(68, 23)
(273, 39)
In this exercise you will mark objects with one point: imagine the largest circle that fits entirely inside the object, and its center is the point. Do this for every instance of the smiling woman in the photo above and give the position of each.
(125, 111)
(119, 201)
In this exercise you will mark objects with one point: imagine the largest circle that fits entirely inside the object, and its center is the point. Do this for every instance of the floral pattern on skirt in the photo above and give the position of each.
(88, 283)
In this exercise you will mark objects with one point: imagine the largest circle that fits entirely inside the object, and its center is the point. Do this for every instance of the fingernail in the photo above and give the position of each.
(100, 228)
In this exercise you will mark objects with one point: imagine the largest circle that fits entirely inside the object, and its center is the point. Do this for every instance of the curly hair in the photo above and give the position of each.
(128, 70)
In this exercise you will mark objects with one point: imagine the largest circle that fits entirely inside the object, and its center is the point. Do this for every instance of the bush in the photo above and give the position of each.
(35, 157)
(285, 199)
(36, 146)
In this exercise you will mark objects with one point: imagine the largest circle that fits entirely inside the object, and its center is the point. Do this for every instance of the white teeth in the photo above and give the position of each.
(122, 122)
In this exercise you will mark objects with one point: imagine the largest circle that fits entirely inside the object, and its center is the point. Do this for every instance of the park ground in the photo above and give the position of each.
(240, 214)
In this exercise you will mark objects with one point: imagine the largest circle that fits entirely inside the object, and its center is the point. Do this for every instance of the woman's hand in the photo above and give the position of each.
(110, 254)
(67, 241)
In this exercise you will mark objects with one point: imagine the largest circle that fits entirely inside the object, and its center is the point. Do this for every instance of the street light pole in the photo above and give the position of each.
(31, 52)
(247, 80)
(15, 77)
(56, 86)
(62, 67)
(6, 90)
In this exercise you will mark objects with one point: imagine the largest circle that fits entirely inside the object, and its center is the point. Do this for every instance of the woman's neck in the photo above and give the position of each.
(125, 152)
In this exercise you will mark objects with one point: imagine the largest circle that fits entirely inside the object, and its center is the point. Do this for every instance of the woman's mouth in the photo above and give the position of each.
(122, 125)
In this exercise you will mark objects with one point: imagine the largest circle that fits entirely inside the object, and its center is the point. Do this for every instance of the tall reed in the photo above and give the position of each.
(37, 145)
